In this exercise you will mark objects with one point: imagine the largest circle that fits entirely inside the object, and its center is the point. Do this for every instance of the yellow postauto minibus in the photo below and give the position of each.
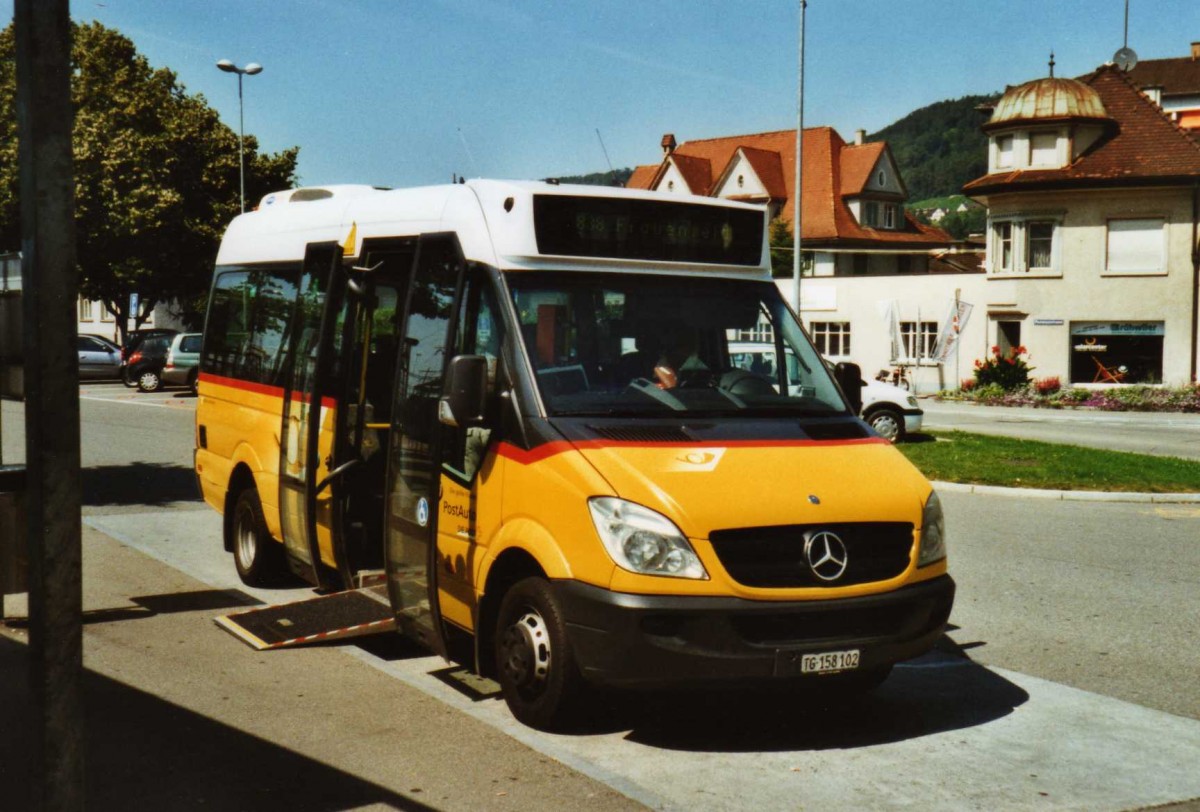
(508, 411)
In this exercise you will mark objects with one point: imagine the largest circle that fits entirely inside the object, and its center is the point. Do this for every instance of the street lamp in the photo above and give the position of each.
(249, 70)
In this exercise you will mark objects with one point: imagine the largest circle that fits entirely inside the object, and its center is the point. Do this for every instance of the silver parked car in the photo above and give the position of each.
(98, 357)
(183, 361)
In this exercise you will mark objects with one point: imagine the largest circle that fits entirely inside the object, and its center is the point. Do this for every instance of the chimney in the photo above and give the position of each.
(860, 137)
(668, 143)
(1195, 51)
(1154, 92)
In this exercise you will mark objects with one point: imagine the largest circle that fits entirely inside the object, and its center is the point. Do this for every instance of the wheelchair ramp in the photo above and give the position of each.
(337, 616)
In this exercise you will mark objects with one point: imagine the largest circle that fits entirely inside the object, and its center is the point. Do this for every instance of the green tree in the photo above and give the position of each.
(783, 247)
(156, 176)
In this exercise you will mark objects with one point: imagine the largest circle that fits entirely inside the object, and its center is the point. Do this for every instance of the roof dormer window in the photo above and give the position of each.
(1004, 151)
(1043, 149)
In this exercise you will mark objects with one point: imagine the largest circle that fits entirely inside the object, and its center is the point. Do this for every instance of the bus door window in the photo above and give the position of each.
(480, 332)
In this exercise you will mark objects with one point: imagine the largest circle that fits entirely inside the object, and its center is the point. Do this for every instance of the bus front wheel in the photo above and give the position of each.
(534, 662)
(258, 558)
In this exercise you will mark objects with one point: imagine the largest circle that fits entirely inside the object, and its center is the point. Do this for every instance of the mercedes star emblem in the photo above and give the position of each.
(826, 555)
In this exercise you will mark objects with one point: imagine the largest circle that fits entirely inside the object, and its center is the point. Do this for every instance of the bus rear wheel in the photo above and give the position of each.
(258, 558)
(534, 662)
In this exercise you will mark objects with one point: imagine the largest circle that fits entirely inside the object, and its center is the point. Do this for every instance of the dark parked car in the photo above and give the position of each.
(98, 357)
(135, 337)
(145, 361)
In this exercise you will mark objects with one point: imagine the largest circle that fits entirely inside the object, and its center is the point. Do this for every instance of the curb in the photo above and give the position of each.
(1071, 496)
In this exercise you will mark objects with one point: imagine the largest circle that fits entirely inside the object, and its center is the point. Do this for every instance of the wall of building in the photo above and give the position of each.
(1052, 316)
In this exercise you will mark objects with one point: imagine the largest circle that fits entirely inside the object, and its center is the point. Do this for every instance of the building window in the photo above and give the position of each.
(1002, 245)
(1004, 151)
(1136, 246)
(918, 341)
(904, 263)
(870, 213)
(1039, 246)
(881, 178)
(860, 264)
(889, 216)
(1024, 246)
(105, 315)
(1043, 149)
(1117, 352)
(85, 309)
(832, 338)
(670, 186)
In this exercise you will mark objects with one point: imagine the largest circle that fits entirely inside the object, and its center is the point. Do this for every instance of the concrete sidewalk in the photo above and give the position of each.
(176, 721)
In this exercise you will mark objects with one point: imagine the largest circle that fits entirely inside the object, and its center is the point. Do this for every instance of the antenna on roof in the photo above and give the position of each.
(604, 150)
(1125, 58)
(467, 149)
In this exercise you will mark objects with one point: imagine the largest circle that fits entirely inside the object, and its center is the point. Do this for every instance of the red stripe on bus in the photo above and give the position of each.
(259, 388)
(528, 457)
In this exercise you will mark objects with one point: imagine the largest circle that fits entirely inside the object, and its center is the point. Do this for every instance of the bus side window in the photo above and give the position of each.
(480, 332)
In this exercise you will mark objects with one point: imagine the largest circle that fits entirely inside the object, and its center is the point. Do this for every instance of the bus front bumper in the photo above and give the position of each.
(654, 640)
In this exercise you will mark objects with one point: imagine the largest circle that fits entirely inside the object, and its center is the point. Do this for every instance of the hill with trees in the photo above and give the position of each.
(614, 177)
(939, 147)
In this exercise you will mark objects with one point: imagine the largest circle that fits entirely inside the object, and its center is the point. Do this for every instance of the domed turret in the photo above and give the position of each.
(1049, 99)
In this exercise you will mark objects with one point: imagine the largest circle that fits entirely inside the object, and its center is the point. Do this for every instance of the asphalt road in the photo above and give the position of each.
(1166, 434)
(1068, 680)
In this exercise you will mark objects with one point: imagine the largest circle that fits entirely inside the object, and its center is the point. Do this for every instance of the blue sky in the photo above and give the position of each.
(407, 92)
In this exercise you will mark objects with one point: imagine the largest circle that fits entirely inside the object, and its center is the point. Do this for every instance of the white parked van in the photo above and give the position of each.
(893, 412)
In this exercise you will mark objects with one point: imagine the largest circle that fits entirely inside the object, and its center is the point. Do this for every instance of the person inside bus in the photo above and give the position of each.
(680, 359)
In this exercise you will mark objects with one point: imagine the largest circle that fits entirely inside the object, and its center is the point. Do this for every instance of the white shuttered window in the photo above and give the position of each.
(1136, 246)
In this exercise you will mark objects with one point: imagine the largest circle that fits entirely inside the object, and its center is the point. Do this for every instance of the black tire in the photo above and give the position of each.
(193, 382)
(149, 380)
(257, 556)
(888, 424)
(535, 665)
(127, 379)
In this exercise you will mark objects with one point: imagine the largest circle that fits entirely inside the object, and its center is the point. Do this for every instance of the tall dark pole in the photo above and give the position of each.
(43, 40)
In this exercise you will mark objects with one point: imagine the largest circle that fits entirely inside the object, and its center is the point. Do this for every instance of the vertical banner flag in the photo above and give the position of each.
(889, 311)
(952, 327)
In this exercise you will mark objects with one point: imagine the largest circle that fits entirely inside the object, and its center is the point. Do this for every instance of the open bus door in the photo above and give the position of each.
(413, 496)
(304, 450)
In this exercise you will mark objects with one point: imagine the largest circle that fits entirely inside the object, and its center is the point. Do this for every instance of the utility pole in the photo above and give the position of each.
(50, 289)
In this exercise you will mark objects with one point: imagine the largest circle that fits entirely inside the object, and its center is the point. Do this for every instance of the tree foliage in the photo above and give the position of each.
(613, 177)
(156, 175)
(940, 147)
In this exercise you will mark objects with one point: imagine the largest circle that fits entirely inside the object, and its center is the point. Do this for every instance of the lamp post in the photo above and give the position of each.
(249, 70)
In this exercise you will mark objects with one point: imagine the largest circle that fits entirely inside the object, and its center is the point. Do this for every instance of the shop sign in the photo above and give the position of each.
(1048, 322)
(1118, 328)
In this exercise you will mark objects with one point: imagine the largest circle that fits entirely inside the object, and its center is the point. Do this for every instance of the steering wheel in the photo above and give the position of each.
(744, 382)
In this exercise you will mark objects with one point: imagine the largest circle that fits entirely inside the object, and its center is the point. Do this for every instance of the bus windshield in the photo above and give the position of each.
(635, 344)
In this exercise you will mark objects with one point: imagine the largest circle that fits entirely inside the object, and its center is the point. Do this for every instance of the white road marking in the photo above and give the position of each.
(136, 400)
(942, 734)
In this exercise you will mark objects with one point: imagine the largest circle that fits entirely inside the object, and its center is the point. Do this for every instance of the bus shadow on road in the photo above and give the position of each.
(138, 483)
(942, 691)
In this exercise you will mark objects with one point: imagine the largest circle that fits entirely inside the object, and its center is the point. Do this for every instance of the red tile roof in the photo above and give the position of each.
(831, 169)
(642, 177)
(1177, 77)
(1145, 147)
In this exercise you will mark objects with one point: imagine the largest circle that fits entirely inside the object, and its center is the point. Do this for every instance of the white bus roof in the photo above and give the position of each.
(493, 220)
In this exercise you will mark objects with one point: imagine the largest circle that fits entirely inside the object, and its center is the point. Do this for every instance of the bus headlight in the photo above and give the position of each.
(642, 541)
(933, 533)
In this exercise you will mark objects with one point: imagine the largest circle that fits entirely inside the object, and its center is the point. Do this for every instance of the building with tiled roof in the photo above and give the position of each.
(1174, 84)
(1093, 192)
(853, 217)
(1091, 259)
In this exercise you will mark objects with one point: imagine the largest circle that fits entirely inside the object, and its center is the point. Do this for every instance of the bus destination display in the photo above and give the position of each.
(647, 230)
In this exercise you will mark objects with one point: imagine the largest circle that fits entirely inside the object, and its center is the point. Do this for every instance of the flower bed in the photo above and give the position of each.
(1047, 394)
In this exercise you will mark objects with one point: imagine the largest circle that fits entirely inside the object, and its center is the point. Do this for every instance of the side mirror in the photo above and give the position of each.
(463, 403)
(849, 377)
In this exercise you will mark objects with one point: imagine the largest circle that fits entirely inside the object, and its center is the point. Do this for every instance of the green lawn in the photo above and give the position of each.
(958, 456)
